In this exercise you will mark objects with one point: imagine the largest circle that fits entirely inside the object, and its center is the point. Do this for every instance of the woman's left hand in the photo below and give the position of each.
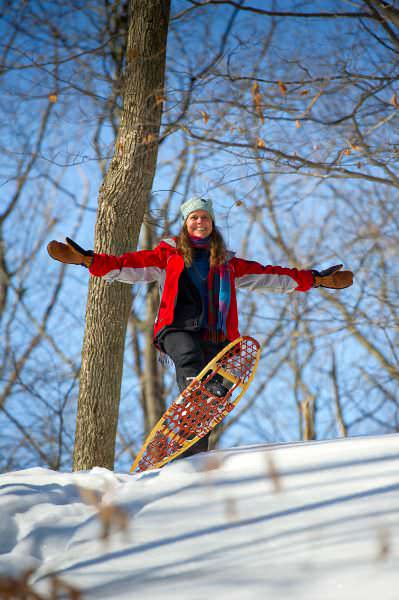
(333, 278)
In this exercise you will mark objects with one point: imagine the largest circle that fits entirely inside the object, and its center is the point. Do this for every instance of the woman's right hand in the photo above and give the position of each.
(70, 253)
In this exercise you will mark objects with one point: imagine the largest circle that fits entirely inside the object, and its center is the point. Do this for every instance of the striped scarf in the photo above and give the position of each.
(219, 292)
(219, 295)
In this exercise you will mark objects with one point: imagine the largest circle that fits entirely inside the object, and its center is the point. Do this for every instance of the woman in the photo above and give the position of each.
(198, 278)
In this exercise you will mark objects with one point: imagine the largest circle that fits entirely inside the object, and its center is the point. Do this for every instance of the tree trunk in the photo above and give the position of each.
(308, 416)
(122, 201)
(342, 427)
(154, 402)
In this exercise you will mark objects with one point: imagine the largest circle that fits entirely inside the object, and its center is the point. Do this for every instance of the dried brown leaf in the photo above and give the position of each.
(282, 87)
(160, 99)
(53, 98)
(260, 143)
(394, 100)
(204, 116)
(297, 123)
(257, 100)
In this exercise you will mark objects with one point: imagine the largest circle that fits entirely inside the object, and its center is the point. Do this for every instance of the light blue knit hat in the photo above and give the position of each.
(196, 203)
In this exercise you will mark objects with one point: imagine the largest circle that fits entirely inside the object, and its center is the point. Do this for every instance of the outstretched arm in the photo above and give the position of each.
(254, 276)
(268, 278)
(131, 267)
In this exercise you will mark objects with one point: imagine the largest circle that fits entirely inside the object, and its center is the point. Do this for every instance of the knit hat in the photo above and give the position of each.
(196, 203)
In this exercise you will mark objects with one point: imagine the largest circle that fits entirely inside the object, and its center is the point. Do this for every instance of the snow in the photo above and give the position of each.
(315, 520)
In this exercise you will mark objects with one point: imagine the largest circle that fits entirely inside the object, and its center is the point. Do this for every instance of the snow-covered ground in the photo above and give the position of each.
(306, 521)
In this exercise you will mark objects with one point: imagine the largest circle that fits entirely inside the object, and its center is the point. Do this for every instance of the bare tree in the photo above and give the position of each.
(122, 202)
(43, 55)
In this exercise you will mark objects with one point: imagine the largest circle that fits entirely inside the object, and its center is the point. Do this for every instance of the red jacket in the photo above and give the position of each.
(165, 264)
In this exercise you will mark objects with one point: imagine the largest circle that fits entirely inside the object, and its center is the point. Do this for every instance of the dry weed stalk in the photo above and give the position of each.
(13, 588)
(273, 474)
(384, 544)
(110, 516)
(231, 509)
(211, 463)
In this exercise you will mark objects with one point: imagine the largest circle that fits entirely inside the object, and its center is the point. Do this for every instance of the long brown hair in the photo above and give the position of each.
(217, 247)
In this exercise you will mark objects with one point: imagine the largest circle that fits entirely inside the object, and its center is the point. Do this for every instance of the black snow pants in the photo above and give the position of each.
(190, 353)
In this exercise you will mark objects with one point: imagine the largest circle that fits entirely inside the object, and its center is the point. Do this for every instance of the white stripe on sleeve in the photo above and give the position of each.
(134, 275)
(267, 283)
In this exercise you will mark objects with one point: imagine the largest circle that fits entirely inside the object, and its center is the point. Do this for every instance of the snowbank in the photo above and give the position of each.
(305, 521)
